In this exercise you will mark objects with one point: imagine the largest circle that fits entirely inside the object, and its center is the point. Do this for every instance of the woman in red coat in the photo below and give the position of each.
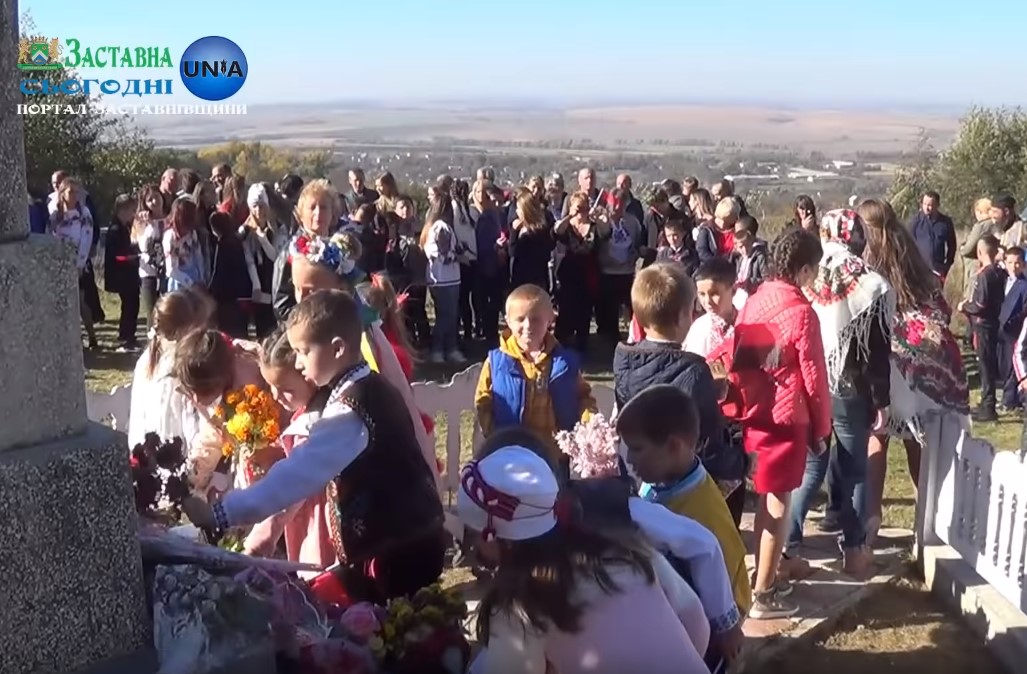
(780, 369)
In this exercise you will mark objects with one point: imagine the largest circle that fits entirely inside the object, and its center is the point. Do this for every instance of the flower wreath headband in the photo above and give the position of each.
(335, 253)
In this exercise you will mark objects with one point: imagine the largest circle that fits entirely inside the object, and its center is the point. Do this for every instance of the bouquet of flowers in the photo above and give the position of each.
(592, 447)
(423, 633)
(160, 478)
(252, 422)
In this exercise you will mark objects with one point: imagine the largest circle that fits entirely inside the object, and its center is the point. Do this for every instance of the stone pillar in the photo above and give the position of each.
(71, 582)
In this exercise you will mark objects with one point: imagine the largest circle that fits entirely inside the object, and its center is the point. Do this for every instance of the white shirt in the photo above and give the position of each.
(336, 439)
(440, 249)
(152, 233)
(76, 227)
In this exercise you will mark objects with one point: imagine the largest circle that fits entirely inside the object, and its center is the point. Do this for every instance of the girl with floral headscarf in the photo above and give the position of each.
(855, 307)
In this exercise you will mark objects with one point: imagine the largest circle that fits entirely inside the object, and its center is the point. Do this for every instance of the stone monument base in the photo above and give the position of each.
(71, 577)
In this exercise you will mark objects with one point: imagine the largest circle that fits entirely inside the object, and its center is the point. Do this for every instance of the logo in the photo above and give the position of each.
(213, 68)
(39, 54)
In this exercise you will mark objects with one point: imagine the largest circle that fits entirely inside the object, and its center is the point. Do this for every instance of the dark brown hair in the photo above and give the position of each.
(175, 315)
(204, 363)
(893, 254)
(794, 250)
(657, 413)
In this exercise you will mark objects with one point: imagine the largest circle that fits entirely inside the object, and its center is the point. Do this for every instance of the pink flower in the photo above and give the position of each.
(361, 621)
(592, 447)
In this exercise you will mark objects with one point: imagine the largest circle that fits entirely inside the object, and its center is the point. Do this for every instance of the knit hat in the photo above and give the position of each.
(256, 196)
(510, 494)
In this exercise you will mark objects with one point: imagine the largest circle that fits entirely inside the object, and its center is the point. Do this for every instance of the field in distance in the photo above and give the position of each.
(655, 128)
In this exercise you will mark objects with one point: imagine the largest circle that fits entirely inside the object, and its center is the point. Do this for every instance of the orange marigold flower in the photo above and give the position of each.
(233, 398)
(271, 430)
(219, 412)
(227, 449)
(242, 408)
(250, 390)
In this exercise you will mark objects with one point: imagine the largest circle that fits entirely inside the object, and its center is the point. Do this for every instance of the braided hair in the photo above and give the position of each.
(794, 250)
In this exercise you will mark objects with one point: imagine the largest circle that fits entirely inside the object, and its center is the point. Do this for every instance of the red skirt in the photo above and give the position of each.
(780, 453)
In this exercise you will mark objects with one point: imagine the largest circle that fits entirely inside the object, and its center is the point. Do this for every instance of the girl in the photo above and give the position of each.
(72, 222)
(205, 197)
(463, 227)
(805, 213)
(440, 245)
(856, 307)
(531, 243)
(561, 591)
(121, 269)
(320, 264)
(924, 353)
(388, 192)
(700, 202)
(148, 236)
(780, 368)
(305, 525)
(407, 249)
(230, 283)
(262, 240)
(717, 239)
(493, 270)
(157, 405)
(183, 255)
(233, 199)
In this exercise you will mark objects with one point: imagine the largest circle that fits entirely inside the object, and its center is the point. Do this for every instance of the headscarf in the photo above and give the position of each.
(257, 196)
(846, 294)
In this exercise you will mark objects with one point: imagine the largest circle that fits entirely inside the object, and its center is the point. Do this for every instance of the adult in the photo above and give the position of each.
(359, 193)
(531, 242)
(805, 213)
(72, 222)
(678, 195)
(580, 234)
(983, 226)
(556, 194)
(169, 188)
(84, 197)
(659, 210)
(185, 260)
(233, 199)
(634, 206)
(925, 355)
(188, 180)
(486, 173)
(219, 175)
(586, 184)
(263, 239)
(1003, 212)
(618, 257)
(935, 235)
(388, 193)
(722, 189)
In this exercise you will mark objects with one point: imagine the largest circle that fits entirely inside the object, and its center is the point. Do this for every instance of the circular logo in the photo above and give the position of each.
(213, 68)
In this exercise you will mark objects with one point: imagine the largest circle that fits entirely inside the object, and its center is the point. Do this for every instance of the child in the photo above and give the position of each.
(148, 236)
(562, 592)
(531, 380)
(983, 309)
(305, 524)
(72, 222)
(780, 366)
(663, 298)
(415, 271)
(387, 515)
(717, 239)
(183, 257)
(440, 245)
(679, 247)
(710, 334)
(121, 270)
(660, 427)
(1011, 319)
(753, 259)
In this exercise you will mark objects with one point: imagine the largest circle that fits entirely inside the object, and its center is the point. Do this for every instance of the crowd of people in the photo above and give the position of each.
(773, 366)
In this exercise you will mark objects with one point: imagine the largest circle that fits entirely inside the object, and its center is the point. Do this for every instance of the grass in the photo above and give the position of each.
(901, 629)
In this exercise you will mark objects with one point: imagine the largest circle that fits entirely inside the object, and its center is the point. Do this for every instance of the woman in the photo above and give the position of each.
(262, 240)
(183, 255)
(493, 263)
(206, 199)
(148, 236)
(700, 202)
(388, 192)
(233, 199)
(578, 274)
(439, 243)
(463, 227)
(805, 212)
(531, 243)
(71, 221)
(230, 284)
(856, 307)
(924, 354)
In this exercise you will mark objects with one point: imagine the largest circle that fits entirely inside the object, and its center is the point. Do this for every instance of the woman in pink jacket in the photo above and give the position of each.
(781, 371)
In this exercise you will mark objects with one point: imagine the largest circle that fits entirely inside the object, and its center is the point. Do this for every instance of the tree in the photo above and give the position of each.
(913, 178)
(260, 162)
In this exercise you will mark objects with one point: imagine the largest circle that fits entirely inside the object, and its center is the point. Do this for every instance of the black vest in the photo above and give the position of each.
(387, 497)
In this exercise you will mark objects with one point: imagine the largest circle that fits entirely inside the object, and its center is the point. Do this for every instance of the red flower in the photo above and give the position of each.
(302, 244)
(133, 462)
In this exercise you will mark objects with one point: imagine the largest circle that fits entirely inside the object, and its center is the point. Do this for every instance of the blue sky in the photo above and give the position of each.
(906, 52)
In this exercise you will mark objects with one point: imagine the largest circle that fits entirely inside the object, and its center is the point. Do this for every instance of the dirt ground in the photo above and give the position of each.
(900, 630)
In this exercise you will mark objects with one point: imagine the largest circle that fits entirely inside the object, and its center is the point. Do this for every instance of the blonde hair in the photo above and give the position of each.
(317, 192)
(660, 294)
(530, 210)
(529, 294)
(982, 206)
(727, 209)
(578, 197)
(174, 316)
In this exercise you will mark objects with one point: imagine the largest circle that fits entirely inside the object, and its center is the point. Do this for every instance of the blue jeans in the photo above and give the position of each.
(844, 466)
(447, 317)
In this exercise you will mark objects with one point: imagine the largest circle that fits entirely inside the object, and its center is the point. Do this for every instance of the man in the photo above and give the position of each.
(218, 175)
(678, 197)
(587, 184)
(634, 206)
(1003, 212)
(935, 235)
(1010, 321)
(190, 179)
(169, 188)
(721, 189)
(555, 194)
(486, 173)
(690, 185)
(360, 193)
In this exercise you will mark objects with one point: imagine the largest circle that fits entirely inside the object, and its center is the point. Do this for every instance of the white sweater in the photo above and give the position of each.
(440, 249)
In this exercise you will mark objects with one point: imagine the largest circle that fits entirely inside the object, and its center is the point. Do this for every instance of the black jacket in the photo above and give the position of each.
(868, 368)
(120, 260)
(989, 291)
(639, 366)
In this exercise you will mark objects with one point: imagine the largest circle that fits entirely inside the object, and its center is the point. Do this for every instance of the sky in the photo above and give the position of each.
(796, 52)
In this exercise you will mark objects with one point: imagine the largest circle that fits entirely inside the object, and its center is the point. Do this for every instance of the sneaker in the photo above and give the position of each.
(984, 415)
(782, 586)
(771, 606)
(437, 358)
(455, 356)
(829, 525)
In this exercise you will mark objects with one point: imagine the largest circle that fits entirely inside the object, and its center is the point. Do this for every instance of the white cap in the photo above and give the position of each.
(256, 195)
(510, 494)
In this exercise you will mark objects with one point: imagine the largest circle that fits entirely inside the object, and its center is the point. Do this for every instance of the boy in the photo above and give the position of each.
(387, 512)
(121, 270)
(1010, 322)
(530, 380)
(661, 429)
(662, 298)
(752, 268)
(711, 333)
(677, 248)
(983, 309)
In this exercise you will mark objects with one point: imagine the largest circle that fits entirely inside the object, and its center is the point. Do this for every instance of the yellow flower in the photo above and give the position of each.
(239, 425)
(233, 398)
(227, 449)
